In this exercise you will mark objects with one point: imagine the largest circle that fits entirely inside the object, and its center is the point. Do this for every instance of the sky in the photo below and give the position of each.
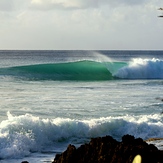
(81, 25)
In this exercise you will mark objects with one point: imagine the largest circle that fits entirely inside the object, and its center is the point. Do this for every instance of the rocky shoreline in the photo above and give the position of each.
(108, 150)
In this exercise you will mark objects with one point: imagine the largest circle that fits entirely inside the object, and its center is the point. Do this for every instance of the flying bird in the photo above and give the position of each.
(160, 16)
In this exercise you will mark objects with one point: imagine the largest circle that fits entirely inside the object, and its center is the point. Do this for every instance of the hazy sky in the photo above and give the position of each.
(81, 24)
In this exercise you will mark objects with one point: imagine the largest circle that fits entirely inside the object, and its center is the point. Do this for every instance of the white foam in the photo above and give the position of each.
(142, 69)
(21, 135)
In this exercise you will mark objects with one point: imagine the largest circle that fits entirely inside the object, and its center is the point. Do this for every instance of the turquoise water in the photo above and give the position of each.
(52, 98)
(72, 71)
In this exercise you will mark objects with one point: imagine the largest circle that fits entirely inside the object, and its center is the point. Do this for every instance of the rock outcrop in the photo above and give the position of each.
(108, 150)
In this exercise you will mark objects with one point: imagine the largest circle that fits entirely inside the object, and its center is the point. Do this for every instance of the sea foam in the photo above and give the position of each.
(140, 68)
(22, 135)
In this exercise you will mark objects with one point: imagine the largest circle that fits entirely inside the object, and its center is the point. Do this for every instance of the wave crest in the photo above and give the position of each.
(142, 69)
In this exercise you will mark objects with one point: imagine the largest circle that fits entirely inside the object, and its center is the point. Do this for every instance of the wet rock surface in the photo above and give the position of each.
(108, 150)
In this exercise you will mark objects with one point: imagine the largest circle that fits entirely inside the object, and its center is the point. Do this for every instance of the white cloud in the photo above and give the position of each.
(6, 5)
(80, 24)
(81, 4)
(52, 4)
(13, 5)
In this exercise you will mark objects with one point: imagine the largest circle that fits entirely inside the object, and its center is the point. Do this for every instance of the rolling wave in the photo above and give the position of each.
(80, 70)
(89, 70)
(22, 135)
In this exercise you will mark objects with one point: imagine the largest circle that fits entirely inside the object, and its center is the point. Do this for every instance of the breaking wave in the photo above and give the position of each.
(142, 69)
(79, 70)
(25, 134)
(89, 70)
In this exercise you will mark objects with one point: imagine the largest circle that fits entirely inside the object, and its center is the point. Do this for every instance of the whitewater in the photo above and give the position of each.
(50, 99)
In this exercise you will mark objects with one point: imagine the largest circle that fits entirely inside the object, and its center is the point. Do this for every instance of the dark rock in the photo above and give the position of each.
(108, 150)
(24, 162)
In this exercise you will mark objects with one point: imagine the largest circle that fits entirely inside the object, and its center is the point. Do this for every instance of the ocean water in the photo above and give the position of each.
(49, 99)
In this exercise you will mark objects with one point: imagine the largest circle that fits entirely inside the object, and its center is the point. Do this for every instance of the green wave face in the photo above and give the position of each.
(82, 71)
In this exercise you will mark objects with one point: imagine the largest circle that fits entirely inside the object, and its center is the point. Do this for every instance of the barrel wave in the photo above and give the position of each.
(87, 70)
(78, 71)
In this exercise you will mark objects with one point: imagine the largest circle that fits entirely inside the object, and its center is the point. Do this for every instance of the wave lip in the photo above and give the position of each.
(142, 69)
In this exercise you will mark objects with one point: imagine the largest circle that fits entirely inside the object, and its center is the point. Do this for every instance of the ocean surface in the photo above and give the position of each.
(49, 99)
